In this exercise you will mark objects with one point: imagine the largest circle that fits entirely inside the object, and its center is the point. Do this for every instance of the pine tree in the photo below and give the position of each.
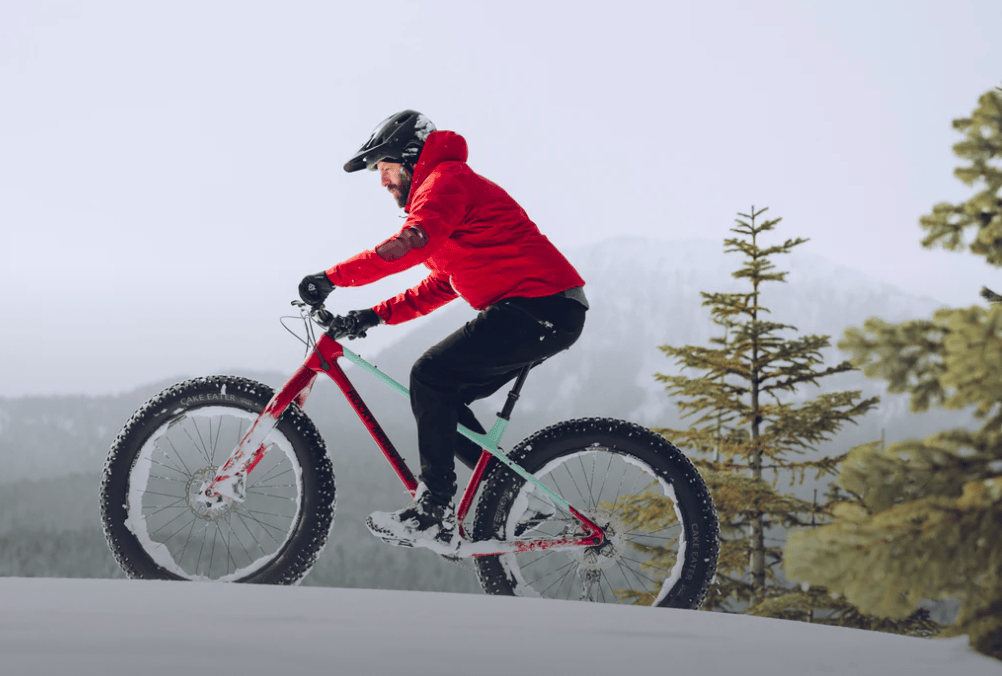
(929, 525)
(751, 433)
(948, 223)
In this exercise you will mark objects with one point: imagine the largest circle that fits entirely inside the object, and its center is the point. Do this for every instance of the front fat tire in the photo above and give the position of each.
(589, 442)
(308, 527)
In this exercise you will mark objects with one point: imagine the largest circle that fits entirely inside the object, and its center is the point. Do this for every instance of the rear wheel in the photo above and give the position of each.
(661, 530)
(175, 442)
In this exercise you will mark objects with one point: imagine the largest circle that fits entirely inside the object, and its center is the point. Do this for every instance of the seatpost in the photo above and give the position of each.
(509, 405)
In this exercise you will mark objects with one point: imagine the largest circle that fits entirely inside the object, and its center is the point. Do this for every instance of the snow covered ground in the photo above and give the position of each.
(109, 627)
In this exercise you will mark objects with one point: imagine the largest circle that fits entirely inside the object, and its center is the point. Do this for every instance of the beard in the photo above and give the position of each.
(403, 189)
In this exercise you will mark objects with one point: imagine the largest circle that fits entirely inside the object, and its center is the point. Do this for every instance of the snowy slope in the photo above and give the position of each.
(110, 627)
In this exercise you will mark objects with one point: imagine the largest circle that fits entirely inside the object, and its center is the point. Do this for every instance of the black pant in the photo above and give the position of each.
(475, 362)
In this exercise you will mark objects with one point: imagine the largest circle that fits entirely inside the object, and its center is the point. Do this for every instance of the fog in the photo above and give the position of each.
(171, 172)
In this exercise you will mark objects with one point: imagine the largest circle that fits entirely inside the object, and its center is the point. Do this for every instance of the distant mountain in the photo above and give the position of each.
(643, 293)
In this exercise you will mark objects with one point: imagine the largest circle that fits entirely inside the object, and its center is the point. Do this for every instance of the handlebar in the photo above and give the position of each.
(335, 326)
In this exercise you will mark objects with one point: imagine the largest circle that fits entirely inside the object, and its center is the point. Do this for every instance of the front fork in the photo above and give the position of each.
(230, 480)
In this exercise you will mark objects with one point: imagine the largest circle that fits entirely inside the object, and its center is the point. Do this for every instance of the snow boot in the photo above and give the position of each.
(426, 522)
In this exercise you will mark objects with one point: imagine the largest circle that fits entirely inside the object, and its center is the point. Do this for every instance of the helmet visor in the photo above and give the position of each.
(398, 138)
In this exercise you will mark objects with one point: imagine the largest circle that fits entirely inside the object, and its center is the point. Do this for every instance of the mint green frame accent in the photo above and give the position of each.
(488, 441)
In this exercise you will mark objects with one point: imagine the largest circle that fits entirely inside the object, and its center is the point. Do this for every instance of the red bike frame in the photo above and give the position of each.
(230, 480)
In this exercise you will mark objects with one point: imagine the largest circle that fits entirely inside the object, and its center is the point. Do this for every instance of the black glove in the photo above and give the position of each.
(314, 289)
(355, 324)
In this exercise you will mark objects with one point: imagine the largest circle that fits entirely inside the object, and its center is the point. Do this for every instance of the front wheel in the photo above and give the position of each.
(661, 530)
(158, 529)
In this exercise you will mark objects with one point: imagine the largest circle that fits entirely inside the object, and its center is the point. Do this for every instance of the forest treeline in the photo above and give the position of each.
(903, 523)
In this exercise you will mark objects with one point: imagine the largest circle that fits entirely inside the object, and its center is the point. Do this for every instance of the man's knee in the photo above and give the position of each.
(431, 372)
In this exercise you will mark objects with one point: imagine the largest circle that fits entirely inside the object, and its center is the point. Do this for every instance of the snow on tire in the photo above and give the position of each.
(171, 445)
(661, 527)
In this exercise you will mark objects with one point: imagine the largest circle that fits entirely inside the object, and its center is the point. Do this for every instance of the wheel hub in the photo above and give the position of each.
(600, 557)
(200, 507)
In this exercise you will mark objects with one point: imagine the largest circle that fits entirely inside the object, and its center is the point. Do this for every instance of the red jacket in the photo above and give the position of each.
(476, 240)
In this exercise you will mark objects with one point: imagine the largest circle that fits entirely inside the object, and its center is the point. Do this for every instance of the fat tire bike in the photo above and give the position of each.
(221, 478)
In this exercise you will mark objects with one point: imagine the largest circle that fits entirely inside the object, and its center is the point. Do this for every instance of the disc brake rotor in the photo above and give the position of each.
(198, 505)
(609, 552)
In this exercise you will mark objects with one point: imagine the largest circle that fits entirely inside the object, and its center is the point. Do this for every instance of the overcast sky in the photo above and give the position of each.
(170, 171)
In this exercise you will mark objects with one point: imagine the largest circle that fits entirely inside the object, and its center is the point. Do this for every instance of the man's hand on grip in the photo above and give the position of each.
(355, 323)
(314, 289)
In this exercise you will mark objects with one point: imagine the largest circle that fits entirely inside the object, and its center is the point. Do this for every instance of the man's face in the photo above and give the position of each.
(393, 177)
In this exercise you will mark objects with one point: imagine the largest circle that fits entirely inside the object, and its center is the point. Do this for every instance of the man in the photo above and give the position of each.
(478, 243)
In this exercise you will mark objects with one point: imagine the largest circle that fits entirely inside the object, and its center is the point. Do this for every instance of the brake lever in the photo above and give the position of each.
(324, 317)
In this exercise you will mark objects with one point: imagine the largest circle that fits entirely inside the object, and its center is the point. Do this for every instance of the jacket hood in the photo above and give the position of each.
(440, 146)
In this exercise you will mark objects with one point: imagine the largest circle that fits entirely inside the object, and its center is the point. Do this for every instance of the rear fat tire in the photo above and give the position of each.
(307, 530)
(625, 444)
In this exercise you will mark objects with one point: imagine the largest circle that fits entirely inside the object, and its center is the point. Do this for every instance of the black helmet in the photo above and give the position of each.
(398, 138)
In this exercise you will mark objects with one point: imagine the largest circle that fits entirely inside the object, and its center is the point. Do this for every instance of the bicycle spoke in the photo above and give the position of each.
(559, 579)
(215, 442)
(203, 454)
(542, 557)
(173, 504)
(574, 481)
(559, 491)
(265, 525)
(169, 537)
(167, 478)
(202, 447)
(183, 549)
(638, 573)
(187, 471)
(649, 535)
(168, 523)
(268, 476)
(170, 467)
(269, 495)
(261, 511)
(233, 533)
(585, 475)
(626, 578)
(251, 532)
(619, 489)
(201, 547)
(229, 555)
(167, 457)
(612, 591)
(555, 571)
(164, 495)
(606, 475)
(571, 577)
